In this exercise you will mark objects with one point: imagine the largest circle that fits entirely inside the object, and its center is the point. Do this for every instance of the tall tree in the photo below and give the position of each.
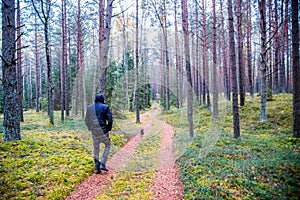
(63, 65)
(263, 64)
(224, 56)
(44, 16)
(137, 84)
(37, 68)
(214, 76)
(296, 68)
(104, 44)
(11, 121)
(177, 59)
(185, 28)
(276, 49)
(240, 52)
(206, 96)
(19, 63)
(235, 106)
(249, 51)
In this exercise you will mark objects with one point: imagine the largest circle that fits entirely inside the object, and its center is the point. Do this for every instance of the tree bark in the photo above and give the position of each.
(235, 107)
(104, 47)
(276, 49)
(137, 84)
(37, 70)
(187, 66)
(296, 69)
(214, 78)
(249, 51)
(19, 62)
(240, 52)
(263, 64)
(11, 121)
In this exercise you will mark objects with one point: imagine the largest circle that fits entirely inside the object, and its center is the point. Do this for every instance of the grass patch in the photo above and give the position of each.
(49, 161)
(263, 164)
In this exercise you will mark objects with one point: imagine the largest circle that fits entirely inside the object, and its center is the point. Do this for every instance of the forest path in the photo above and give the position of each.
(166, 185)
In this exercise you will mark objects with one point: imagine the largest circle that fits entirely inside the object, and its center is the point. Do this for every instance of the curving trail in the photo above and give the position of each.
(167, 184)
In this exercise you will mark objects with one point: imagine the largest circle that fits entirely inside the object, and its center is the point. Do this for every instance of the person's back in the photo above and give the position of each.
(99, 121)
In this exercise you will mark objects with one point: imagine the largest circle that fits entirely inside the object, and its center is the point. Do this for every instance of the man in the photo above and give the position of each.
(99, 121)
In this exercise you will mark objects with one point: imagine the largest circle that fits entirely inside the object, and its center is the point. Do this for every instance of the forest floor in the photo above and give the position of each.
(161, 171)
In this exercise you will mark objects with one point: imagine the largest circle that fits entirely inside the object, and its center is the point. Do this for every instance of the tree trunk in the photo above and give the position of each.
(214, 78)
(178, 102)
(137, 84)
(276, 49)
(37, 70)
(263, 64)
(240, 52)
(249, 51)
(63, 61)
(19, 62)
(187, 66)
(224, 56)
(11, 121)
(235, 107)
(104, 47)
(296, 69)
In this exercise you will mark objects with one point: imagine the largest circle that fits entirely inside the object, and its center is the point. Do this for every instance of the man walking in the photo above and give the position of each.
(99, 121)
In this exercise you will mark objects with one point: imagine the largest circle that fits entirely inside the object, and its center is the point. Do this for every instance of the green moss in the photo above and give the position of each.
(262, 164)
(50, 161)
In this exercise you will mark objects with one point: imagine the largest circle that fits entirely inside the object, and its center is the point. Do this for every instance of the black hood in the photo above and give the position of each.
(99, 98)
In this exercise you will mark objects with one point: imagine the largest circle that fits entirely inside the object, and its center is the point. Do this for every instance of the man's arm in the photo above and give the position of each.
(109, 119)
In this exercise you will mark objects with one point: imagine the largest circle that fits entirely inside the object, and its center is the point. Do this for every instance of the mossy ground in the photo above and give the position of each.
(263, 164)
(49, 161)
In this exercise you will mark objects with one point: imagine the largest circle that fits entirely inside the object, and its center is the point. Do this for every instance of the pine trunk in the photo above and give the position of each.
(187, 66)
(240, 52)
(214, 78)
(296, 68)
(249, 51)
(37, 71)
(235, 104)
(137, 86)
(263, 64)
(11, 121)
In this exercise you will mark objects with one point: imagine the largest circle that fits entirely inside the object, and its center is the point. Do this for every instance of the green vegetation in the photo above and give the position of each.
(263, 164)
(49, 161)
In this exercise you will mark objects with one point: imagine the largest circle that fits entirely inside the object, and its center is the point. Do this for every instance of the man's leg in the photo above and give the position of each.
(96, 144)
(106, 141)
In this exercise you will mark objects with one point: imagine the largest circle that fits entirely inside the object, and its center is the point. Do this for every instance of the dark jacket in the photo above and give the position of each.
(98, 115)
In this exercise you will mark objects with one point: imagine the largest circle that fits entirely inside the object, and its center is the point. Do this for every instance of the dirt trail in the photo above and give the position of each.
(166, 184)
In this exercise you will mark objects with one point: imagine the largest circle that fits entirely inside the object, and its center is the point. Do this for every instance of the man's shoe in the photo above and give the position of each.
(102, 167)
(97, 166)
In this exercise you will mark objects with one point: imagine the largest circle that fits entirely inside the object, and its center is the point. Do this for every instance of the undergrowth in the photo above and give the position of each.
(49, 161)
(263, 164)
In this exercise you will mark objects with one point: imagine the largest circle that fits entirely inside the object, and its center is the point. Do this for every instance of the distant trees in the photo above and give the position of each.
(43, 12)
(11, 109)
(90, 47)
